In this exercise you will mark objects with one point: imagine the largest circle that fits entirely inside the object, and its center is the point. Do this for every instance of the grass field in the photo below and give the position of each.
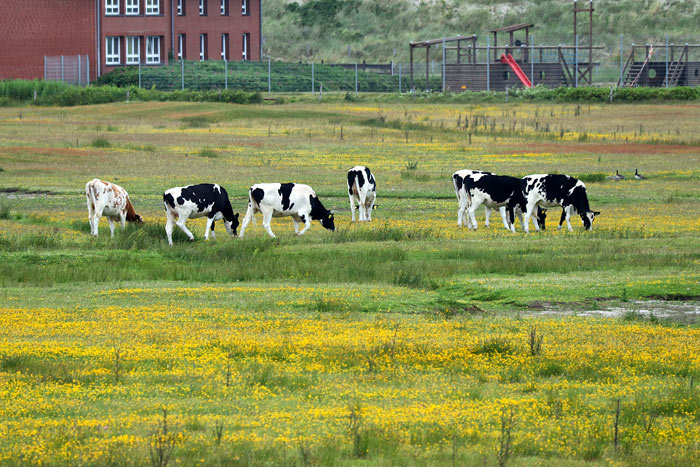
(405, 341)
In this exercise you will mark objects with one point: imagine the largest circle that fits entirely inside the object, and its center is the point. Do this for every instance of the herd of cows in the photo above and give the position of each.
(512, 196)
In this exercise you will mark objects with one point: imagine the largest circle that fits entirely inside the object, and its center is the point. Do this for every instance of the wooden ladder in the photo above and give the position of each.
(636, 70)
(675, 69)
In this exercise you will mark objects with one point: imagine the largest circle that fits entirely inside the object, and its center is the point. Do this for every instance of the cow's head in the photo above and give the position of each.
(588, 217)
(232, 225)
(327, 221)
(541, 216)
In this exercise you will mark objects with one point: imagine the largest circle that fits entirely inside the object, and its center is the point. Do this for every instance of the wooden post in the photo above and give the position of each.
(459, 50)
(411, 67)
(427, 67)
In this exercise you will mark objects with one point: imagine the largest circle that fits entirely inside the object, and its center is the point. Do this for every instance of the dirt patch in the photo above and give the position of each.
(48, 151)
(600, 148)
(683, 311)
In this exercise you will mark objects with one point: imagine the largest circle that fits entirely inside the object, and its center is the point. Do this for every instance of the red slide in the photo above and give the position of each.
(516, 68)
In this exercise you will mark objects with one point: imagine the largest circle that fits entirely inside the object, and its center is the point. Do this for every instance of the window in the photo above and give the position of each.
(244, 8)
(180, 46)
(133, 50)
(224, 47)
(152, 7)
(111, 7)
(202, 47)
(246, 40)
(181, 7)
(153, 49)
(132, 7)
(202, 7)
(112, 52)
(224, 7)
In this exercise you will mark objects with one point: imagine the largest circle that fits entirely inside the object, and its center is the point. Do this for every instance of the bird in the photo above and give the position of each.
(638, 176)
(617, 177)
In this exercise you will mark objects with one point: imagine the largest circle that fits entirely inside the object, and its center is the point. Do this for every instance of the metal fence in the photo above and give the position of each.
(72, 69)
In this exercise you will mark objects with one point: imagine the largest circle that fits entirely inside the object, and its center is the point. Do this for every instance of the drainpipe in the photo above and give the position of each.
(98, 73)
(260, 37)
(172, 29)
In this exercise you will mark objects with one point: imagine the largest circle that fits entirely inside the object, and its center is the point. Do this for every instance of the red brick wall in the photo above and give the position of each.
(30, 29)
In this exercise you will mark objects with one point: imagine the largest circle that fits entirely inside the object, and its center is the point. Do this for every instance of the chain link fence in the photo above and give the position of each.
(71, 69)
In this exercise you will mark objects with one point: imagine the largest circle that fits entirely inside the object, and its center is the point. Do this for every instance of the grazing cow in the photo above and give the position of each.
(362, 189)
(108, 199)
(286, 199)
(494, 191)
(189, 202)
(550, 190)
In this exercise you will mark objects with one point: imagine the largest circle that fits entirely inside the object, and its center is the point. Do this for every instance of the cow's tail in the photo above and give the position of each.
(468, 185)
(252, 205)
(352, 183)
(90, 193)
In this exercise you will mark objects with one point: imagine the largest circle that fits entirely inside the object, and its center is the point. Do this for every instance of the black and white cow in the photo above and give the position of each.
(494, 191)
(190, 202)
(286, 199)
(459, 179)
(550, 190)
(362, 189)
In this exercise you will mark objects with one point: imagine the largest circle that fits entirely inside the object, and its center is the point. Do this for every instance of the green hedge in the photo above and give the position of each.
(56, 93)
(593, 94)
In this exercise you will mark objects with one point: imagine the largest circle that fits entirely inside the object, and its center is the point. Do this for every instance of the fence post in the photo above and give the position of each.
(62, 68)
(45, 68)
(79, 69)
(355, 77)
(443, 63)
(532, 61)
(312, 78)
(87, 70)
(488, 66)
(666, 60)
(225, 74)
(269, 77)
(139, 73)
(622, 66)
(399, 77)
(182, 74)
(576, 63)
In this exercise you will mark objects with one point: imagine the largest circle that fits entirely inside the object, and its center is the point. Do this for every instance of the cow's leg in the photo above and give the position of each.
(511, 218)
(111, 226)
(169, 225)
(210, 221)
(519, 213)
(563, 217)
(296, 224)
(246, 220)
(212, 234)
(506, 224)
(267, 219)
(371, 207)
(531, 206)
(470, 213)
(91, 212)
(122, 220)
(181, 223)
(352, 207)
(361, 207)
(307, 223)
(568, 218)
(461, 210)
(487, 216)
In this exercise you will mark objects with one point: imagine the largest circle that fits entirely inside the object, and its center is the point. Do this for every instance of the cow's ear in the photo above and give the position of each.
(596, 213)
(235, 215)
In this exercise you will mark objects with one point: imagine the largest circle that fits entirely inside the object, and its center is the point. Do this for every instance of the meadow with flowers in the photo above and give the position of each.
(404, 341)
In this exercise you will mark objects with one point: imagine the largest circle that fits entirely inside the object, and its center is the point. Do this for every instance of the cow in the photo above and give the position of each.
(459, 179)
(494, 191)
(108, 199)
(362, 189)
(550, 190)
(192, 201)
(286, 199)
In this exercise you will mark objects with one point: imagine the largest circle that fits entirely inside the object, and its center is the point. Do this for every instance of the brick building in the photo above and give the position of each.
(115, 33)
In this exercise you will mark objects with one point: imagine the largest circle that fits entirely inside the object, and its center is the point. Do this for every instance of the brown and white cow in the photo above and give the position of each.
(110, 200)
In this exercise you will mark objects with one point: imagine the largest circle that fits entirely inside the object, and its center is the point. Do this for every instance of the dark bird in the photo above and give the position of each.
(617, 177)
(638, 176)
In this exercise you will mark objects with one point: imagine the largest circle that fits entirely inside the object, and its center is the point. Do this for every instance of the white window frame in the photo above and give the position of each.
(132, 7)
(112, 50)
(180, 7)
(133, 50)
(152, 50)
(153, 8)
(244, 7)
(180, 45)
(202, 45)
(111, 7)
(224, 7)
(244, 52)
(202, 7)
